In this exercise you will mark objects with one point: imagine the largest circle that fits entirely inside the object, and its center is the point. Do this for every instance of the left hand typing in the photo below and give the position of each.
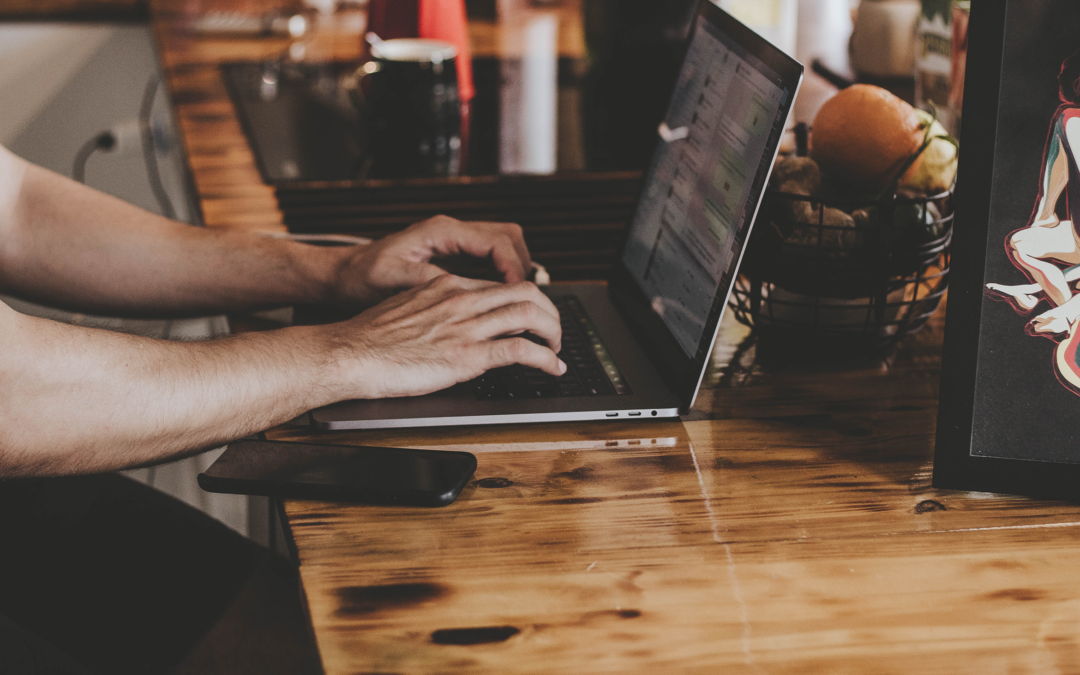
(403, 260)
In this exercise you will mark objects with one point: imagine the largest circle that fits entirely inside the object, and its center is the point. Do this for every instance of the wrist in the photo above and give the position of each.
(324, 272)
(342, 358)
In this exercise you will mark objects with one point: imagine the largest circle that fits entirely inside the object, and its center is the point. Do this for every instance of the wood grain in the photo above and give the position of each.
(573, 224)
(789, 527)
(230, 189)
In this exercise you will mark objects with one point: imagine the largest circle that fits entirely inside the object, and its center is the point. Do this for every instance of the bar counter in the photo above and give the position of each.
(787, 524)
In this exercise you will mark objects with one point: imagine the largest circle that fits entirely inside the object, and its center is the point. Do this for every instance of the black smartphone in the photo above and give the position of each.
(369, 475)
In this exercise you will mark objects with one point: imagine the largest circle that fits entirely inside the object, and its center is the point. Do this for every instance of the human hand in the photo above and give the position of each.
(402, 260)
(446, 331)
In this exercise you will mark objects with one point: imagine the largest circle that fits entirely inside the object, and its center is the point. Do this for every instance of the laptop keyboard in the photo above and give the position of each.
(590, 370)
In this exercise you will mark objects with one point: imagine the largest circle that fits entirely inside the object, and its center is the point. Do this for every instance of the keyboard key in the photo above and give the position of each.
(547, 391)
(590, 370)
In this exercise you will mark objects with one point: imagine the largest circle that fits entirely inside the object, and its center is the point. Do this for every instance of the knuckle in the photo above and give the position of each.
(445, 282)
(433, 222)
(511, 241)
(527, 311)
(455, 303)
(516, 348)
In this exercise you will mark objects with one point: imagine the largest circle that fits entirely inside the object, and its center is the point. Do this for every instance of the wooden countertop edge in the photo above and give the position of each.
(230, 189)
(75, 10)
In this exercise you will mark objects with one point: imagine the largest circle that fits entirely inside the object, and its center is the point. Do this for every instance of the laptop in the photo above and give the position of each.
(638, 347)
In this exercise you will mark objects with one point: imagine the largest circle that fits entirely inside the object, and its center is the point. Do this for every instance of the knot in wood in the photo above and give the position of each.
(928, 505)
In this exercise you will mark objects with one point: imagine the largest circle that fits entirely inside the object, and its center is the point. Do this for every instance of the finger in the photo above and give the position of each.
(416, 274)
(503, 242)
(497, 295)
(451, 283)
(450, 288)
(403, 275)
(518, 318)
(437, 290)
(510, 254)
(519, 350)
(517, 238)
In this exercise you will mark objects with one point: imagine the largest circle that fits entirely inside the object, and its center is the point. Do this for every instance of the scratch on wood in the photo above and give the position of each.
(736, 590)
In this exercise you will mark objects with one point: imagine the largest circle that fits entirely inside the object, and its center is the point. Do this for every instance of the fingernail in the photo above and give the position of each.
(562, 367)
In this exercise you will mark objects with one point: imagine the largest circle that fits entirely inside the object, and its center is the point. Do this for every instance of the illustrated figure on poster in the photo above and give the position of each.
(1047, 250)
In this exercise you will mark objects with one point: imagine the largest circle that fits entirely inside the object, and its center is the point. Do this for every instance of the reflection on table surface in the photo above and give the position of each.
(786, 525)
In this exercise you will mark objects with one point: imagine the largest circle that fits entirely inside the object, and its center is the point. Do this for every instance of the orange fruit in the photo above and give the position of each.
(864, 135)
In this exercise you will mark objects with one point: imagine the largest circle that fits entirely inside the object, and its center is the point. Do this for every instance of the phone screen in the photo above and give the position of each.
(373, 475)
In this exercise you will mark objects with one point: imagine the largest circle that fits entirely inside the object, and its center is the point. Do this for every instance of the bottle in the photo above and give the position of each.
(933, 60)
(961, 16)
(883, 38)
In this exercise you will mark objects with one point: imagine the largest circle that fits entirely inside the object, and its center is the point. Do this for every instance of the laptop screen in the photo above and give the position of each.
(704, 185)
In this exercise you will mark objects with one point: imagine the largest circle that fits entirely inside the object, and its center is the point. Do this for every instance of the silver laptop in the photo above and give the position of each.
(638, 348)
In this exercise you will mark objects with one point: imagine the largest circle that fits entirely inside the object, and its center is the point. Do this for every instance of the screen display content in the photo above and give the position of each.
(702, 187)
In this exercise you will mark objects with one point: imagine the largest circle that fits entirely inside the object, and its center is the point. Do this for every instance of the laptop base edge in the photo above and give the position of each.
(522, 418)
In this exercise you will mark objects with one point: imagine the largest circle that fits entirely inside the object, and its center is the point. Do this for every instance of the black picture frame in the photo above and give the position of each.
(1004, 425)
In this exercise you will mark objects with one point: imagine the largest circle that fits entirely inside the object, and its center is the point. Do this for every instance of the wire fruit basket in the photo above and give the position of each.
(817, 285)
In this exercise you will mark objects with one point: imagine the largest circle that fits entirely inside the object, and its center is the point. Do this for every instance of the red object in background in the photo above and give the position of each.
(391, 19)
(445, 20)
(435, 19)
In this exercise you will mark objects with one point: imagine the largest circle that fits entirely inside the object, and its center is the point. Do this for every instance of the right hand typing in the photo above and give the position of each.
(444, 332)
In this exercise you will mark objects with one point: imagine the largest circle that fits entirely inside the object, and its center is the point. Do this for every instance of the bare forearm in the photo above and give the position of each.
(78, 400)
(66, 245)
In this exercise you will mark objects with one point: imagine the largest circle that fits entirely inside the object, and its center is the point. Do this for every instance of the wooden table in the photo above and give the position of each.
(787, 525)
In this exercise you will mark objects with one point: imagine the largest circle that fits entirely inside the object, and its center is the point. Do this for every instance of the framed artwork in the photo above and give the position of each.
(1009, 417)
